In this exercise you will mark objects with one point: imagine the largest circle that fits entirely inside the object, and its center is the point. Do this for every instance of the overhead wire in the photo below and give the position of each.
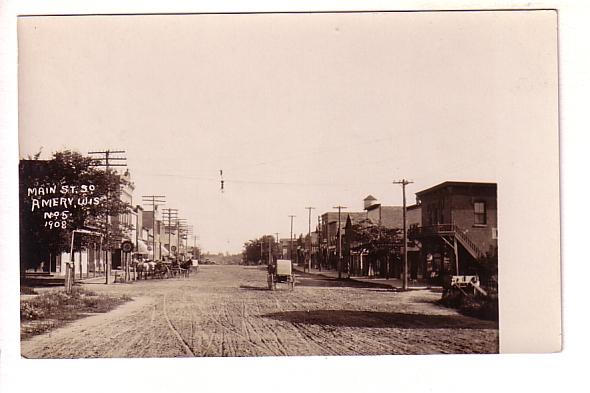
(256, 182)
(336, 149)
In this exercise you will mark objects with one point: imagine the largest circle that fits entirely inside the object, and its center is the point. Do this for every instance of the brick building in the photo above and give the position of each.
(459, 226)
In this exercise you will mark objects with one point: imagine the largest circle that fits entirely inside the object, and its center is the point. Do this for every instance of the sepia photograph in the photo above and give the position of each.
(280, 184)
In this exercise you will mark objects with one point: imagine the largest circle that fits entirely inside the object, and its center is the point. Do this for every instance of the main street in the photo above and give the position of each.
(228, 311)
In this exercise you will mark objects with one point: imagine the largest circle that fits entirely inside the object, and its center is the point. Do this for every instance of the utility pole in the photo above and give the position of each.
(328, 241)
(404, 183)
(170, 214)
(319, 257)
(309, 208)
(189, 232)
(105, 161)
(269, 250)
(153, 201)
(180, 226)
(291, 239)
(339, 241)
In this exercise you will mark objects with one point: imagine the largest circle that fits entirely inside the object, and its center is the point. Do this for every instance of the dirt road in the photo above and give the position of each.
(227, 311)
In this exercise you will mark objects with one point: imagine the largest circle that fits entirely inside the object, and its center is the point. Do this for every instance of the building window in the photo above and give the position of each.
(479, 210)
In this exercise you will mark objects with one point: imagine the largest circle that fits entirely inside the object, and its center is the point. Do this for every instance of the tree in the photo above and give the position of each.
(257, 250)
(487, 270)
(377, 241)
(252, 251)
(84, 196)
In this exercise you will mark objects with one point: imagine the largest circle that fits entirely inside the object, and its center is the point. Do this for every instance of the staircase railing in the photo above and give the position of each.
(467, 241)
(447, 229)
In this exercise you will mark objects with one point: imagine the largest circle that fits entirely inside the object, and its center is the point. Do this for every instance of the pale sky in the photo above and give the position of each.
(297, 109)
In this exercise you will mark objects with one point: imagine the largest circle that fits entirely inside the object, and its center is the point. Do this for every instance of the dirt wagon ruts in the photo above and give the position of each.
(280, 272)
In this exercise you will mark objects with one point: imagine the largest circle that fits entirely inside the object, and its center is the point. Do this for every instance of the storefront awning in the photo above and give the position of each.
(165, 251)
(142, 247)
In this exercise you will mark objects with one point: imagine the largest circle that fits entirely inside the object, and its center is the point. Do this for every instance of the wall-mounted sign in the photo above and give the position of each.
(127, 246)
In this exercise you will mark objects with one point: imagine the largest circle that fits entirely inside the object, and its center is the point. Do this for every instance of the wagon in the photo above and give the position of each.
(281, 272)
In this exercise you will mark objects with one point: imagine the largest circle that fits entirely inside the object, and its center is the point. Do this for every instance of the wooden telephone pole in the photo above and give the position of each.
(105, 161)
(319, 256)
(339, 241)
(404, 183)
(170, 215)
(309, 208)
(291, 243)
(270, 249)
(181, 226)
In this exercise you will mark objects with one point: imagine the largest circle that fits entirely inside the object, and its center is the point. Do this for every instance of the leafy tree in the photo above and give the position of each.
(95, 194)
(374, 238)
(487, 269)
(252, 251)
(377, 241)
(257, 250)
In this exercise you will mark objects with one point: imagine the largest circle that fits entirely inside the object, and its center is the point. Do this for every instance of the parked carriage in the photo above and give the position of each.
(180, 268)
(153, 269)
(280, 272)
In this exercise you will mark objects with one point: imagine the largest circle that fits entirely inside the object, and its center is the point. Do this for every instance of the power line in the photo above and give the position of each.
(237, 181)
(337, 149)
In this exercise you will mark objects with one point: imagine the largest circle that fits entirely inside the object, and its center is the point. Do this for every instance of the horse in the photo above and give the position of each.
(161, 270)
(140, 269)
(174, 268)
(151, 268)
(185, 268)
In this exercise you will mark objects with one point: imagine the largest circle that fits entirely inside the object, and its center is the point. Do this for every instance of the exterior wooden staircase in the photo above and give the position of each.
(449, 230)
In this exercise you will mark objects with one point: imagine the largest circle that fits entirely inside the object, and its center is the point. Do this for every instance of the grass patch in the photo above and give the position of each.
(27, 291)
(53, 309)
(482, 307)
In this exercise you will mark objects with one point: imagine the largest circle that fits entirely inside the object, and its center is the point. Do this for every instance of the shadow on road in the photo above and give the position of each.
(252, 288)
(377, 319)
(312, 280)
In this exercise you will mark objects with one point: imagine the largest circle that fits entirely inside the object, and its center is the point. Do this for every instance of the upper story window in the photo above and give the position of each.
(479, 210)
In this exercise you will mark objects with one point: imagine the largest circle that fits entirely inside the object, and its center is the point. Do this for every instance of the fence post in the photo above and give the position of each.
(69, 277)
(66, 278)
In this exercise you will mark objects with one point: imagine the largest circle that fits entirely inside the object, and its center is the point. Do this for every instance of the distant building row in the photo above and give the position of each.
(451, 227)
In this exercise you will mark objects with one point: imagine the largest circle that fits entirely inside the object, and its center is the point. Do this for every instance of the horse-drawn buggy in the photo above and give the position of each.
(180, 268)
(280, 272)
(162, 269)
